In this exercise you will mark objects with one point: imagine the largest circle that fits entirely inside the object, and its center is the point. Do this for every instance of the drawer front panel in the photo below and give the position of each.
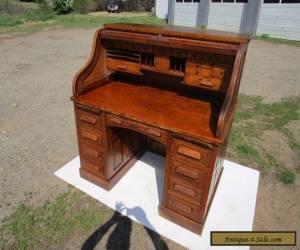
(124, 66)
(191, 153)
(90, 136)
(186, 190)
(154, 133)
(188, 173)
(184, 208)
(92, 167)
(89, 120)
(91, 153)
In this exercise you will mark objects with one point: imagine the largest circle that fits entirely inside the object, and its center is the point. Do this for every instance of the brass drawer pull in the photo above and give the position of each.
(90, 136)
(88, 119)
(189, 152)
(154, 132)
(122, 67)
(116, 120)
(91, 153)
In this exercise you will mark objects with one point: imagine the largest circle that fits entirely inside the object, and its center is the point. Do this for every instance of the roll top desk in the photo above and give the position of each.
(168, 90)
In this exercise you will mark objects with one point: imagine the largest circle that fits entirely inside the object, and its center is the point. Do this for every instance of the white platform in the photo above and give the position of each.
(141, 188)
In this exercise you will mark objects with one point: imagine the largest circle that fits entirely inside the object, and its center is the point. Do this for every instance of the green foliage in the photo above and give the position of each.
(62, 6)
(39, 15)
(9, 21)
(286, 176)
(38, 228)
(81, 6)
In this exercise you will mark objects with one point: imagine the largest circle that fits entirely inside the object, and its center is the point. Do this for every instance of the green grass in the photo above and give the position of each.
(274, 40)
(51, 223)
(252, 118)
(36, 20)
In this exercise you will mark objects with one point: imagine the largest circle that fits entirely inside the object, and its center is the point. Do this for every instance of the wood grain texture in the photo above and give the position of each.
(169, 90)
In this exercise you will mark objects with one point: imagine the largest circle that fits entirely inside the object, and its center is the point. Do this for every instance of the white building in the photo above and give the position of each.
(277, 18)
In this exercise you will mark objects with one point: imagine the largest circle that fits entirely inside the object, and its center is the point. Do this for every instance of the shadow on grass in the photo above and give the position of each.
(119, 239)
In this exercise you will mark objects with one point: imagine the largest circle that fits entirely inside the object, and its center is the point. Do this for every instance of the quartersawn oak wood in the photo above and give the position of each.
(169, 90)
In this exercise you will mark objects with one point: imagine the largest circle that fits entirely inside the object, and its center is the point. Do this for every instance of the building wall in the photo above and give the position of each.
(225, 16)
(185, 14)
(161, 8)
(280, 20)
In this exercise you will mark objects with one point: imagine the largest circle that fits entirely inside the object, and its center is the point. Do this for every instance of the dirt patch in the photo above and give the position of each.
(277, 145)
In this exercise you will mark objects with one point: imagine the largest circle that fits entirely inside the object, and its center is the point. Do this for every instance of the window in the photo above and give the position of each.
(179, 1)
(229, 1)
(290, 1)
(196, 1)
(271, 1)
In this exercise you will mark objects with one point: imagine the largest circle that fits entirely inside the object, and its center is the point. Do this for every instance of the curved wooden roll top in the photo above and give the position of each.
(203, 62)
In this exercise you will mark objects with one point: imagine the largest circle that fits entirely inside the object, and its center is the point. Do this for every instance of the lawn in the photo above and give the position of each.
(36, 20)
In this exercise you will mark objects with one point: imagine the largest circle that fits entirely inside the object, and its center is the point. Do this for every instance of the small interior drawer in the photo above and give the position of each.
(124, 66)
(193, 153)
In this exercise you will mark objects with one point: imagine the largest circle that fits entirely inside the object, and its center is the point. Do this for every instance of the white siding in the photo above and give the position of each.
(161, 8)
(225, 16)
(185, 14)
(280, 20)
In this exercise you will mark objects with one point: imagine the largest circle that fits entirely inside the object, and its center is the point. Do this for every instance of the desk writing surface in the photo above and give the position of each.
(156, 107)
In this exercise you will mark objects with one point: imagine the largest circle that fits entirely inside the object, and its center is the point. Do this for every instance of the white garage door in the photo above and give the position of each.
(226, 14)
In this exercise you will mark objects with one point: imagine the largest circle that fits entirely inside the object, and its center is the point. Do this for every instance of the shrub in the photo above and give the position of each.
(286, 176)
(81, 6)
(62, 6)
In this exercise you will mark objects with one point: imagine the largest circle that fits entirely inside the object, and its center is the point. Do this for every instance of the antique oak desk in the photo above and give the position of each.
(169, 90)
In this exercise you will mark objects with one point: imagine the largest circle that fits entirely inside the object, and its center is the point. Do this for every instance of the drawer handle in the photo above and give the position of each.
(116, 120)
(206, 82)
(154, 132)
(184, 190)
(91, 153)
(186, 172)
(90, 136)
(122, 67)
(189, 152)
(88, 119)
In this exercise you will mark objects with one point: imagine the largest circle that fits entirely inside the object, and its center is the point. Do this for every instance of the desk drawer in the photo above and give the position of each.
(184, 208)
(92, 167)
(186, 190)
(124, 66)
(188, 173)
(155, 133)
(91, 152)
(89, 120)
(90, 136)
(192, 153)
